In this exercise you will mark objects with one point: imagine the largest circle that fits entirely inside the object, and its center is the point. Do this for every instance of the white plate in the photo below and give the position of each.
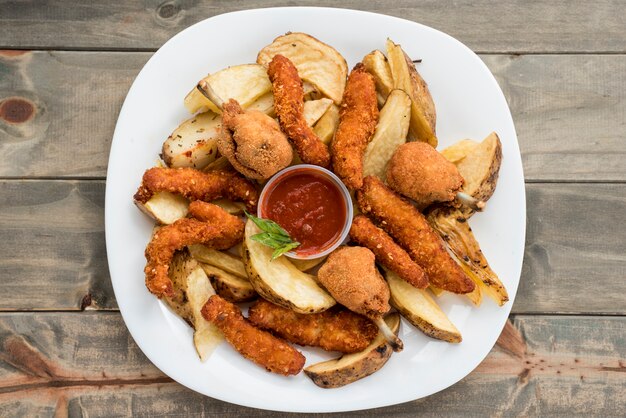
(469, 105)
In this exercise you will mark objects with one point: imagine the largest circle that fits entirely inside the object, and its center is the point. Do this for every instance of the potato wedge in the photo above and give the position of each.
(221, 163)
(306, 265)
(244, 83)
(436, 291)
(480, 168)
(391, 131)
(234, 208)
(451, 224)
(317, 63)
(219, 259)
(230, 287)
(351, 367)
(279, 281)
(327, 125)
(193, 143)
(181, 267)
(419, 308)
(264, 104)
(405, 77)
(459, 150)
(165, 207)
(315, 109)
(376, 64)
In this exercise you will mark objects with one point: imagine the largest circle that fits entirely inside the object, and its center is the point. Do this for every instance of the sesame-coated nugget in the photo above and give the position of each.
(411, 230)
(387, 252)
(358, 117)
(289, 107)
(335, 329)
(254, 344)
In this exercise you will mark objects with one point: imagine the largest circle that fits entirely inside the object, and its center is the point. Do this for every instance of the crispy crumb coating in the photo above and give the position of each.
(266, 350)
(197, 185)
(335, 329)
(350, 276)
(410, 229)
(358, 117)
(387, 252)
(219, 230)
(289, 107)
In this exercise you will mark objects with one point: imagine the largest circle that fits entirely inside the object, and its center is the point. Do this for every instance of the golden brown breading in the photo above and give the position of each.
(410, 229)
(197, 185)
(350, 276)
(357, 122)
(289, 107)
(253, 142)
(222, 231)
(335, 329)
(254, 344)
(418, 171)
(387, 252)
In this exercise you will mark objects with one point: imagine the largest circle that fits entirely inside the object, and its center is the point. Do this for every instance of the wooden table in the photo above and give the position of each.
(64, 71)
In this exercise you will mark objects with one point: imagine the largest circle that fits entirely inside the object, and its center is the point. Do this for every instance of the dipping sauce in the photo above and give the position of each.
(309, 206)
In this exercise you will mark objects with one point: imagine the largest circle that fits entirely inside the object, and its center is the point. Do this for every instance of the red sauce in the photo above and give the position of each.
(310, 207)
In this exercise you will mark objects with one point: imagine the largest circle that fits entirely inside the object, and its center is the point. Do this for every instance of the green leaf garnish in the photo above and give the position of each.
(273, 236)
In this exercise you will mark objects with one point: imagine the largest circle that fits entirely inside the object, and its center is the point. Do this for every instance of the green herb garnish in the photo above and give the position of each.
(273, 236)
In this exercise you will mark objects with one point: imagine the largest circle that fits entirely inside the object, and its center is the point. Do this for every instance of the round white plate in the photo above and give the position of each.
(469, 105)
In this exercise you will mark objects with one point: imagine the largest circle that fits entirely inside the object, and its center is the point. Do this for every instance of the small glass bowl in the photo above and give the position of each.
(347, 200)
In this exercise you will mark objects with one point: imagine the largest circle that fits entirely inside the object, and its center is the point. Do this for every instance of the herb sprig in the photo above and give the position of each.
(273, 236)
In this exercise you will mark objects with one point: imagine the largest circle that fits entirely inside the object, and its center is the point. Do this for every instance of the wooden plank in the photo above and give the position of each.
(52, 238)
(87, 365)
(570, 112)
(487, 26)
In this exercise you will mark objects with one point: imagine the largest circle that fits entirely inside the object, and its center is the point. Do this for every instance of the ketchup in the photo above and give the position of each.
(310, 207)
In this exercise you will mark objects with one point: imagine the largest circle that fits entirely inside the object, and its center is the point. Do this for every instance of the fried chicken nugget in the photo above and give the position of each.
(408, 226)
(289, 107)
(254, 344)
(222, 231)
(197, 185)
(387, 252)
(336, 329)
(357, 122)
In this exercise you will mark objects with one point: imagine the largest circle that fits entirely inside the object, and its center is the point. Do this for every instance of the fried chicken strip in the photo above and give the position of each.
(289, 107)
(387, 252)
(335, 329)
(410, 229)
(222, 231)
(254, 344)
(197, 185)
(357, 122)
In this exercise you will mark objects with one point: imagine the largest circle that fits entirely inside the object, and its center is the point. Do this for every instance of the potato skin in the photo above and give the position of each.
(231, 288)
(426, 327)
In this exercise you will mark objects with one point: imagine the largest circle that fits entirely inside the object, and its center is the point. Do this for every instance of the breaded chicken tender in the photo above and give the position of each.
(197, 185)
(221, 231)
(289, 107)
(418, 171)
(358, 117)
(411, 230)
(350, 276)
(253, 142)
(387, 252)
(259, 346)
(335, 329)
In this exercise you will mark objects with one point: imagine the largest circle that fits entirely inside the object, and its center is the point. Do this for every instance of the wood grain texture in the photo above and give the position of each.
(569, 111)
(486, 26)
(86, 364)
(52, 238)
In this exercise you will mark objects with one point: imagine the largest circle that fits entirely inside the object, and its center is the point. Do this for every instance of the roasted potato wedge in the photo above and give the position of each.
(279, 281)
(165, 207)
(234, 208)
(419, 308)
(327, 125)
(480, 168)
(352, 367)
(264, 104)
(405, 77)
(436, 291)
(317, 63)
(376, 64)
(219, 259)
(181, 267)
(306, 265)
(391, 131)
(452, 226)
(244, 83)
(221, 163)
(459, 150)
(230, 287)
(315, 109)
(193, 143)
